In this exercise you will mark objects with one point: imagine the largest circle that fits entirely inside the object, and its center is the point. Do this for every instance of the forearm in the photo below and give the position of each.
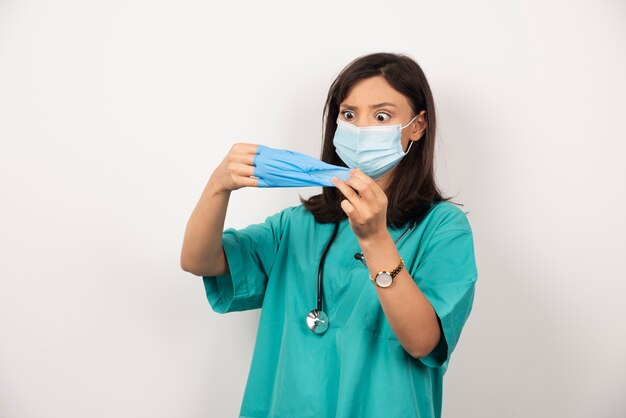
(409, 313)
(202, 252)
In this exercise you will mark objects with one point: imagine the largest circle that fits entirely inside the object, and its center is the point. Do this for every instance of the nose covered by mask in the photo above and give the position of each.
(374, 149)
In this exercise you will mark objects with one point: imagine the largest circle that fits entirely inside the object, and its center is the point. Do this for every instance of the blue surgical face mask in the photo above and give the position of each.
(374, 149)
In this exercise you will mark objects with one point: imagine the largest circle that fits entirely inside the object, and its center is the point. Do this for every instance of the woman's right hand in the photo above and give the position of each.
(202, 253)
(235, 171)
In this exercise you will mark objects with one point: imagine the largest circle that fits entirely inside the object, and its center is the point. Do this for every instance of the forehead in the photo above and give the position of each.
(373, 90)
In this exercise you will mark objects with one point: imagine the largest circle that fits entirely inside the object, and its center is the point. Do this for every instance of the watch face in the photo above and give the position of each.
(384, 279)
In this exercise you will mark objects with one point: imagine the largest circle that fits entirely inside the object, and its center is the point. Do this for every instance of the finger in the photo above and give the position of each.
(242, 169)
(348, 208)
(377, 192)
(247, 181)
(349, 193)
(357, 172)
(244, 148)
(247, 159)
(363, 188)
(369, 204)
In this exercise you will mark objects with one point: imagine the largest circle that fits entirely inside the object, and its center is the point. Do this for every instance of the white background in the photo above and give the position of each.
(113, 115)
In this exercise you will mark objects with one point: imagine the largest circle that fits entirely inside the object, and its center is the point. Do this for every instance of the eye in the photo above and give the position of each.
(348, 114)
(382, 116)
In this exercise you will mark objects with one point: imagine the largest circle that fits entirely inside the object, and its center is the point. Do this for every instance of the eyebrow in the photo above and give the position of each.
(372, 106)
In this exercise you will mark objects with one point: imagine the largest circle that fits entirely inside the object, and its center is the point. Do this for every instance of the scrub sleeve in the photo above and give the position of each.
(251, 253)
(446, 276)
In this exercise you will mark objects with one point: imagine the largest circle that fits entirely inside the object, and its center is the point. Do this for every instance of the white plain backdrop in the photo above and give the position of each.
(113, 115)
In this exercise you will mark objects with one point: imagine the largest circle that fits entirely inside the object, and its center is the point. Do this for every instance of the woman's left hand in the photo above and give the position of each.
(365, 205)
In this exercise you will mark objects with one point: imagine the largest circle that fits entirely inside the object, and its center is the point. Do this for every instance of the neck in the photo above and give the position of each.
(383, 181)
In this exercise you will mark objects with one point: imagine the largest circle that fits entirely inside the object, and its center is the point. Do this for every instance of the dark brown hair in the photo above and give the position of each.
(411, 190)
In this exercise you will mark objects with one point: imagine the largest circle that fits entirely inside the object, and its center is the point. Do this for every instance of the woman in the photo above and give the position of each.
(396, 259)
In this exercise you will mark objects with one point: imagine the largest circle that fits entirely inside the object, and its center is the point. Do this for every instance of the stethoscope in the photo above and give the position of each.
(317, 320)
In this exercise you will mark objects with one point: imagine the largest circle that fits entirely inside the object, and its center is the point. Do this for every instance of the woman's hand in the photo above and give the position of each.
(365, 205)
(235, 171)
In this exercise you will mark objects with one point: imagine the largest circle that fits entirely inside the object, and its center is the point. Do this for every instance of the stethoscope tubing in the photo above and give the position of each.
(320, 270)
(317, 320)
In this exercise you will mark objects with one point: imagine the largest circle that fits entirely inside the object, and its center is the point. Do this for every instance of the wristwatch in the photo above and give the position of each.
(385, 278)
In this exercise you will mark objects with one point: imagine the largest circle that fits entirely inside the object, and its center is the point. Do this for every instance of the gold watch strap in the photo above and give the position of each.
(397, 270)
(393, 273)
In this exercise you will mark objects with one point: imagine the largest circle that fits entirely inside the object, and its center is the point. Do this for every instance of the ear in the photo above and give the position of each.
(418, 127)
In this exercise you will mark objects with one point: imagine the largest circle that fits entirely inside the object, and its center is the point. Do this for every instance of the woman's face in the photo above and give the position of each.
(372, 101)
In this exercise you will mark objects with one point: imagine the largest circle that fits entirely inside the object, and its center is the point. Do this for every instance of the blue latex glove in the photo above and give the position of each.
(283, 168)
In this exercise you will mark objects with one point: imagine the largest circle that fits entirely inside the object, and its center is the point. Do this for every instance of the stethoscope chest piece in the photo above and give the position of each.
(317, 321)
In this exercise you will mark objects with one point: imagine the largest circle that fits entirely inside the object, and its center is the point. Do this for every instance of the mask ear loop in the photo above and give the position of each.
(410, 122)
(410, 142)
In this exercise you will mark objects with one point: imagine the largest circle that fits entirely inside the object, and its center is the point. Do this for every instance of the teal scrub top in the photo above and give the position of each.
(358, 367)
